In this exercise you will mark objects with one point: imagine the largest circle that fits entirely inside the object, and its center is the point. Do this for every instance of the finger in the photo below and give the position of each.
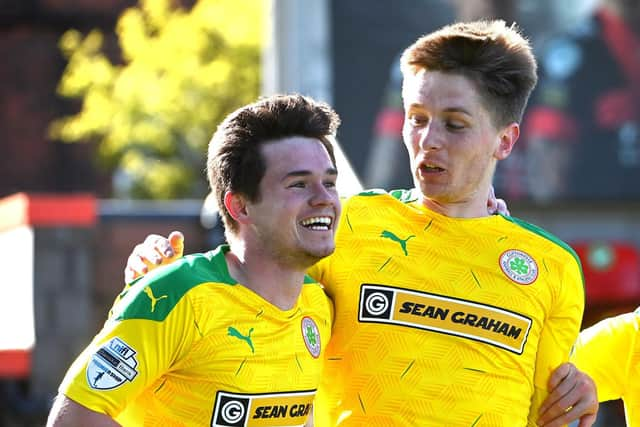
(579, 402)
(579, 411)
(492, 193)
(134, 269)
(176, 240)
(129, 275)
(501, 207)
(562, 373)
(561, 411)
(163, 246)
(584, 411)
(152, 239)
(552, 404)
(587, 420)
(559, 384)
(557, 402)
(144, 252)
(491, 202)
(560, 421)
(136, 263)
(149, 254)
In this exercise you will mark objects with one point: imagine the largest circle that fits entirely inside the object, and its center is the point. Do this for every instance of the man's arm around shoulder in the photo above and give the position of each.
(67, 413)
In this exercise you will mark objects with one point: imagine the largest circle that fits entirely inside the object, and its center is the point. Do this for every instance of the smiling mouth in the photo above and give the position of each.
(319, 223)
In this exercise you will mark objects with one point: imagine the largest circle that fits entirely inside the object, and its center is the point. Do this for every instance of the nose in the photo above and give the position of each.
(428, 138)
(322, 196)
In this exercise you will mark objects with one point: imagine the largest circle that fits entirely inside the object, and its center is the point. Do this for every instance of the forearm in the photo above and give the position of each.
(67, 413)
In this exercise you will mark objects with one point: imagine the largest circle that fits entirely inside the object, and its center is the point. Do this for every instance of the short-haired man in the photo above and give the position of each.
(446, 315)
(239, 332)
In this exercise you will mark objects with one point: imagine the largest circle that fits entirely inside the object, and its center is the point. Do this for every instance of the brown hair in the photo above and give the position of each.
(496, 58)
(235, 162)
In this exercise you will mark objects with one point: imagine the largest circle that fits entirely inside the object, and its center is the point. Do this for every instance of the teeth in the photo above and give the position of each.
(317, 222)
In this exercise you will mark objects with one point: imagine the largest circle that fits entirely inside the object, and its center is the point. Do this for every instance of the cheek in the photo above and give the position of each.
(338, 205)
(467, 158)
(407, 131)
(276, 212)
(476, 166)
(410, 140)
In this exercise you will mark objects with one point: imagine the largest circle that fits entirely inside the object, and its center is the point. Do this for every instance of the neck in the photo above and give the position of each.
(475, 207)
(268, 277)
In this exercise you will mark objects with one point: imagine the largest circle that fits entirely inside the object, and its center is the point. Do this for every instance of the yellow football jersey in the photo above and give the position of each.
(442, 321)
(609, 352)
(188, 346)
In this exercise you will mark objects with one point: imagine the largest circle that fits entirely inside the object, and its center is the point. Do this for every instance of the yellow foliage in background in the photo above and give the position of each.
(153, 112)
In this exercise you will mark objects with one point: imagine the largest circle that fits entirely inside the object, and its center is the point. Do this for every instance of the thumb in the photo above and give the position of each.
(176, 239)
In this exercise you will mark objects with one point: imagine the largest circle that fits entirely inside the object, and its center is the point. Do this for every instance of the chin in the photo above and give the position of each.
(324, 252)
(433, 191)
(319, 253)
(425, 189)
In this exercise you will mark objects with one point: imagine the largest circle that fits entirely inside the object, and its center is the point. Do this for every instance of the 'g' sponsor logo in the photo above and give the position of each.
(112, 365)
(258, 410)
(375, 303)
(519, 266)
(232, 410)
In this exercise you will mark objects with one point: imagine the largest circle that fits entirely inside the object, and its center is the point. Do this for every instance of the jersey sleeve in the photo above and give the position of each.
(559, 331)
(604, 351)
(320, 271)
(138, 344)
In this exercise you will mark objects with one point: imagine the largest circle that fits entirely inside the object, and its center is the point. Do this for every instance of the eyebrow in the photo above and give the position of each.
(297, 173)
(458, 110)
(446, 110)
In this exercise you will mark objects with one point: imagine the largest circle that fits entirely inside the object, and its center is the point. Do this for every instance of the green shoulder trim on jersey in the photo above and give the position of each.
(308, 280)
(544, 233)
(372, 192)
(405, 196)
(156, 294)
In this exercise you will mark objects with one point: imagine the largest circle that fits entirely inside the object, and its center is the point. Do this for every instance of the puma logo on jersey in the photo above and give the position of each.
(233, 332)
(402, 242)
(152, 297)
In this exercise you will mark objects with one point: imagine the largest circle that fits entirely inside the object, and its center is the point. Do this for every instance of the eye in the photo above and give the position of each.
(455, 125)
(417, 120)
(330, 184)
(297, 184)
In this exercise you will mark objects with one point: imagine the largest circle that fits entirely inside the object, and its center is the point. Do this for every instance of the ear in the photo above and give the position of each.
(236, 205)
(508, 137)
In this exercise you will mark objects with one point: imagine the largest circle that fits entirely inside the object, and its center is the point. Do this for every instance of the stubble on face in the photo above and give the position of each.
(301, 258)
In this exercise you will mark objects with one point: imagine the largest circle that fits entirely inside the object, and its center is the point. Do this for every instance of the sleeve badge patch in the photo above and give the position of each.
(112, 365)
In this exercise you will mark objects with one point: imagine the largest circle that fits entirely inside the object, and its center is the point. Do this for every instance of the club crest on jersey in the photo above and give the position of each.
(112, 365)
(519, 266)
(311, 336)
